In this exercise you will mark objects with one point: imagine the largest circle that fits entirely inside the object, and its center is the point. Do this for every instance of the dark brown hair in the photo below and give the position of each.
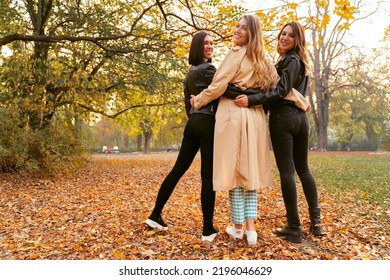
(300, 48)
(197, 49)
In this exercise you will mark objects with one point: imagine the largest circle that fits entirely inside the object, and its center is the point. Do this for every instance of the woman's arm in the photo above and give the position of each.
(225, 73)
(233, 91)
(288, 77)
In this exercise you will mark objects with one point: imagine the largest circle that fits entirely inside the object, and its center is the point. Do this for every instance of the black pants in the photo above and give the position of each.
(198, 134)
(289, 130)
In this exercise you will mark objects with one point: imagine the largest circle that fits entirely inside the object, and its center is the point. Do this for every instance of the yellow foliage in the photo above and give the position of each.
(261, 15)
(267, 22)
(292, 6)
(322, 24)
(344, 26)
(288, 17)
(181, 48)
(311, 19)
(323, 4)
(325, 21)
(226, 9)
(387, 33)
(344, 9)
(342, 2)
(231, 24)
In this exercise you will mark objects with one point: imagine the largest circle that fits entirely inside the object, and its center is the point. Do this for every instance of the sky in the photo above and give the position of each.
(365, 33)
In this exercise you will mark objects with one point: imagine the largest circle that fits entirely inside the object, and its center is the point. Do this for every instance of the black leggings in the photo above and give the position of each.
(289, 130)
(198, 134)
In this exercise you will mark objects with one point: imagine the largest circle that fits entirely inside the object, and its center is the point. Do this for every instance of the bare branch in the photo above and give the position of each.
(113, 116)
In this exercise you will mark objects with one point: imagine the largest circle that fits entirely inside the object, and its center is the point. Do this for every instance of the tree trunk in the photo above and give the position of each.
(147, 138)
(322, 137)
(139, 143)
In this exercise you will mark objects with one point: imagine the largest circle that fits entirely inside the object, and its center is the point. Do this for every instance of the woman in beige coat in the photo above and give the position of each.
(241, 142)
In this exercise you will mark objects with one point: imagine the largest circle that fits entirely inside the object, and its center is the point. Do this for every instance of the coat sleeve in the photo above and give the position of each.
(288, 76)
(233, 91)
(225, 73)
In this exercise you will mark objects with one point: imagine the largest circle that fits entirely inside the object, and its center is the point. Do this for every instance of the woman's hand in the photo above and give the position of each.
(195, 102)
(241, 101)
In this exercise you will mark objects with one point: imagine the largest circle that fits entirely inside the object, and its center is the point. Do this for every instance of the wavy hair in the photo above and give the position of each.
(300, 48)
(265, 72)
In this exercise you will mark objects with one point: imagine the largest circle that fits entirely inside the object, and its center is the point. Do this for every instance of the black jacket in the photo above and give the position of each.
(199, 78)
(291, 71)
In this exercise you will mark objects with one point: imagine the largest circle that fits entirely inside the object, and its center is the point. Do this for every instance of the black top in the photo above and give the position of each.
(291, 71)
(199, 78)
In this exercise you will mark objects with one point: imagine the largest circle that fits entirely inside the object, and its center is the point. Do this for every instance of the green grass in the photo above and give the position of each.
(363, 175)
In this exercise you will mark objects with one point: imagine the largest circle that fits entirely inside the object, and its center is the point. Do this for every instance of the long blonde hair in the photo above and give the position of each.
(265, 72)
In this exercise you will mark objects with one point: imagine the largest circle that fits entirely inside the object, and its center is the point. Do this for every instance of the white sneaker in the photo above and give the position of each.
(209, 238)
(251, 237)
(235, 233)
(155, 225)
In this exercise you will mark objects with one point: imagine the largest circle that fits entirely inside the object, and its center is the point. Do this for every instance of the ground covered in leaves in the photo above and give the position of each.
(99, 213)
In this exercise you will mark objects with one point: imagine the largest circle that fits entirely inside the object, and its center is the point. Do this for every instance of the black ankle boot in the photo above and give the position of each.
(315, 218)
(291, 233)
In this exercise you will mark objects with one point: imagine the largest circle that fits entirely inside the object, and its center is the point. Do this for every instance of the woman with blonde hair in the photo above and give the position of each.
(198, 136)
(241, 142)
(289, 129)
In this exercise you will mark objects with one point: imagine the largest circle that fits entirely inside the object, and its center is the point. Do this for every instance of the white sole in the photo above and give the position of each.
(252, 241)
(154, 225)
(235, 236)
(209, 238)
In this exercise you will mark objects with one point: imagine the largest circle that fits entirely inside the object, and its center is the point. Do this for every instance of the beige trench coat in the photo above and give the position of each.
(241, 139)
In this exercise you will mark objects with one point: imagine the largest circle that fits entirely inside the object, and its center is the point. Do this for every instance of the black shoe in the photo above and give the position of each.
(209, 234)
(156, 222)
(292, 234)
(315, 219)
(316, 229)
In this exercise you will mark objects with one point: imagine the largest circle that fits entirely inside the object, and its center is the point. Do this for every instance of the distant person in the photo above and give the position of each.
(289, 130)
(241, 145)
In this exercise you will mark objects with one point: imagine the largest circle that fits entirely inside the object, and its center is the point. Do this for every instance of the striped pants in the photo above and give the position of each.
(243, 205)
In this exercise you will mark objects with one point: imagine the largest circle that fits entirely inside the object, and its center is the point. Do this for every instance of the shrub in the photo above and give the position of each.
(53, 149)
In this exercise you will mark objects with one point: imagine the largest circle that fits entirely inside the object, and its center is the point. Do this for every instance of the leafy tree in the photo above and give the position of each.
(327, 23)
(363, 103)
(362, 112)
(73, 61)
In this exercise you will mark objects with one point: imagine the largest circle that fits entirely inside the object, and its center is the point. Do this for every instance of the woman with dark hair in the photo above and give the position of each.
(198, 134)
(289, 129)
